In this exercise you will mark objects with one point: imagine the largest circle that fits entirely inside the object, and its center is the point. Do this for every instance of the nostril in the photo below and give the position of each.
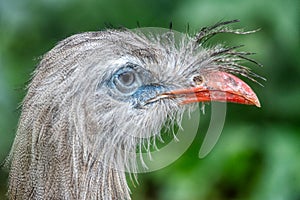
(198, 79)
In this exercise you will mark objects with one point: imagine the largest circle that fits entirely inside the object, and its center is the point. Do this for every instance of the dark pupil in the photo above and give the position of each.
(127, 78)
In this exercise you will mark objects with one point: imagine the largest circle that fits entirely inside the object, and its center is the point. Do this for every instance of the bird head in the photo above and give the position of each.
(96, 97)
(148, 78)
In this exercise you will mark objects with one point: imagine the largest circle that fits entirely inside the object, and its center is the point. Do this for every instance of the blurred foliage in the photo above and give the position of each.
(257, 154)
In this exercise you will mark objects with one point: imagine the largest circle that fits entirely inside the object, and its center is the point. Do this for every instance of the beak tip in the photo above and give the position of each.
(257, 104)
(254, 99)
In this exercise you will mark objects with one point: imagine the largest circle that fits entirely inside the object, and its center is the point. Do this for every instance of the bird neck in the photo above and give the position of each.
(64, 177)
(47, 168)
(101, 182)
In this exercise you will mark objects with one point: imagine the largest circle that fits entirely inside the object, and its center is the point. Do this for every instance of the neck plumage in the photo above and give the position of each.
(50, 160)
(59, 182)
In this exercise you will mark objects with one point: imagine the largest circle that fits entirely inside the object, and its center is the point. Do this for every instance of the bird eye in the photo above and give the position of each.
(127, 80)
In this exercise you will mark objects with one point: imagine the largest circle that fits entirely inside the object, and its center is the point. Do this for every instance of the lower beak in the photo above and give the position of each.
(216, 86)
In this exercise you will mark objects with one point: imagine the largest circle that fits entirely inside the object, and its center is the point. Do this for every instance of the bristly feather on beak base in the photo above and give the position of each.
(218, 82)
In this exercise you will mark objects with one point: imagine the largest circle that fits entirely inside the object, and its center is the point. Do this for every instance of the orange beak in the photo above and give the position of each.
(216, 86)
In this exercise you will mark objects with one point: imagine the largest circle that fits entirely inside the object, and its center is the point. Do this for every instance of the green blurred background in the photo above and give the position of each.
(257, 156)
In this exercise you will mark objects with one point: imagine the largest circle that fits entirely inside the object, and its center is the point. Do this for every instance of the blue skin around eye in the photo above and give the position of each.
(143, 93)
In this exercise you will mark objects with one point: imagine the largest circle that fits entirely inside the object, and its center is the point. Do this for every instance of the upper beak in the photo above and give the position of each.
(215, 86)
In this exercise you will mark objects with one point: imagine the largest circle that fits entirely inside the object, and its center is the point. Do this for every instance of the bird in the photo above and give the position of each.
(97, 98)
